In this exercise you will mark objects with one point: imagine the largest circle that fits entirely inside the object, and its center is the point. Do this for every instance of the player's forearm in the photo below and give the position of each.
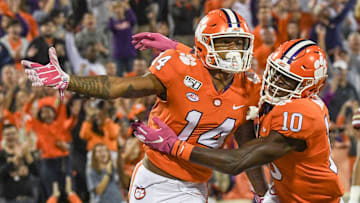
(109, 87)
(258, 180)
(254, 153)
(97, 86)
(230, 161)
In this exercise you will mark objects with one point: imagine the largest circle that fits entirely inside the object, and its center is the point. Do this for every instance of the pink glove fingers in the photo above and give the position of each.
(30, 64)
(45, 69)
(53, 57)
(30, 72)
(48, 74)
(139, 45)
(140, 136)
(142, 35)
(135, 124)
(160, 123)
(52, 81)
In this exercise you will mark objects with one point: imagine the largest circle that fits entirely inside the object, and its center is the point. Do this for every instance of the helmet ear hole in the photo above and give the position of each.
(308, 82)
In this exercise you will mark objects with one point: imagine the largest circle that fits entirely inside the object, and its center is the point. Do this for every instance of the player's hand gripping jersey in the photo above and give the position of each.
(311, 175)
(196, 111)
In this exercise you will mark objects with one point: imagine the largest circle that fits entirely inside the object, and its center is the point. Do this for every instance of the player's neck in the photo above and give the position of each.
(221, 79)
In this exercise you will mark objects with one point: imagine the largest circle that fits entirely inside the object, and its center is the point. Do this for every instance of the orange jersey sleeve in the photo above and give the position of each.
(309, 175)
(164, 67)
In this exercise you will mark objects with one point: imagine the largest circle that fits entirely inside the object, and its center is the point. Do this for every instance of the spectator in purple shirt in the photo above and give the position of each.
(121, 25)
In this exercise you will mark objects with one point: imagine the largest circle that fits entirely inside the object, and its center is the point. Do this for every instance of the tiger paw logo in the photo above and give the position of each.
(187, 59)
(139, 193)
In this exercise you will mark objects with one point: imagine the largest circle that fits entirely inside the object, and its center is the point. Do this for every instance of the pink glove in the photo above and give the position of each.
(50, 75)
(146, 40)
(162, 139)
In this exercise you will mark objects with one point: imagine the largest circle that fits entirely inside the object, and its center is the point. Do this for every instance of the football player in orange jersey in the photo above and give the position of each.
(293, 131)
(203, 97)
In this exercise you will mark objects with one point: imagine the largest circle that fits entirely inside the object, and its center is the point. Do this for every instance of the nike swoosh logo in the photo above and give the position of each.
(160, 140)
(237, 107)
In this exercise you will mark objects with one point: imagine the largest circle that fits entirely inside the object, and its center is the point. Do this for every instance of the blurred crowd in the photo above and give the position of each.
(82, 149)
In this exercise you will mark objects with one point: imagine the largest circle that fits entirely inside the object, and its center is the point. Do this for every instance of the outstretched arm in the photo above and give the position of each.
(109, 87)
(105, 87)
(254, 153)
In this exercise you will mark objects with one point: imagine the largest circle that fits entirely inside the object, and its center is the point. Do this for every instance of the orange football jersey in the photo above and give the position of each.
(196, 111)
(311, 175)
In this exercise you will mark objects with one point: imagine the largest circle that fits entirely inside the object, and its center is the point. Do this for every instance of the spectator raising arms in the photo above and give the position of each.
(52, 129)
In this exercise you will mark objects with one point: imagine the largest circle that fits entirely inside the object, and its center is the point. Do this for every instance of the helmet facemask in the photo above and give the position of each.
(280, 85)
(236, 60)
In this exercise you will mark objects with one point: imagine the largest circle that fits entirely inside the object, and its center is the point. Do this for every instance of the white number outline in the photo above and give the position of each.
(292, 122)
(193, 118)
(162, 61)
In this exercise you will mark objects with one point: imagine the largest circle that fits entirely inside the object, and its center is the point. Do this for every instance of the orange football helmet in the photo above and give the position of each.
(297, 69)
(224, 23)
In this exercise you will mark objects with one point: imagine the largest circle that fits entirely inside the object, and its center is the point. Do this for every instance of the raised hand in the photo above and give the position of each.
(147, 40)
(50, 75)
(162, 139)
